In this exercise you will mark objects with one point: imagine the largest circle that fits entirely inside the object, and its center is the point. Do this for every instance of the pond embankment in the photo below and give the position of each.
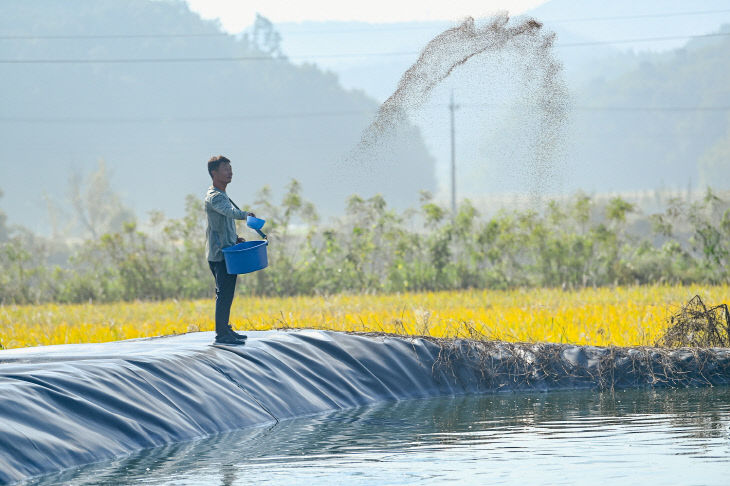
(62, 406)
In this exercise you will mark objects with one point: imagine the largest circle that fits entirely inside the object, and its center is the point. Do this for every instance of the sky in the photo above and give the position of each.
(237, 15)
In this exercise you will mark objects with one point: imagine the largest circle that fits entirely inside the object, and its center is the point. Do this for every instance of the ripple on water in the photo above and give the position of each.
(628, 437)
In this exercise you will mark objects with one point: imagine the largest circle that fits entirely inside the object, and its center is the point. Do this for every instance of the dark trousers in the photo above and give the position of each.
(225, 287)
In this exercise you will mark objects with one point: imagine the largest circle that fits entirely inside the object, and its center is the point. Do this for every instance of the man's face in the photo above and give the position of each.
(224, 173)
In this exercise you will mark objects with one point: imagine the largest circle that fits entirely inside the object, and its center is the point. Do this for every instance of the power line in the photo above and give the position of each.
(623, 108)
(374, 30)
(195, 59)
(166, 60)
(279, 116)
(379, 29)
(197, 119)
(655, 108)
(644, 39)
(639, 16)
(109, 36)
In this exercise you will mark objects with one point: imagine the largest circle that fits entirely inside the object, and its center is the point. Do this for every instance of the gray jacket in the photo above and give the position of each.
(221, 230)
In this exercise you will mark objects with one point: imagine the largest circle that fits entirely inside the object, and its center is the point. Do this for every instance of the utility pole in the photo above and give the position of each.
(452, 108)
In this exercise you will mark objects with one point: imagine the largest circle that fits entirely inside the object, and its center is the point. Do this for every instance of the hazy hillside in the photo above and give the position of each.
(604, 150)
(638, 22)
(155, 124)
(586, 21)
(634, 123)
(667, 122)
(401, 42)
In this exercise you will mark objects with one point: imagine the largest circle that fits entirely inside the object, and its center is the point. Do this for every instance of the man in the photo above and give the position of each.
(221, 233)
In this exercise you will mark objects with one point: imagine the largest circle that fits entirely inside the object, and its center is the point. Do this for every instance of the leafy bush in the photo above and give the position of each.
(373, 248)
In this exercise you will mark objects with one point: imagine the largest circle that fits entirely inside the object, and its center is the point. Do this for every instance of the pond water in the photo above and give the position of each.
(625, 437)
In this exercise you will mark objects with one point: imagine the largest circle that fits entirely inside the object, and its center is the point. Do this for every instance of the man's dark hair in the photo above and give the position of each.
(215, 162)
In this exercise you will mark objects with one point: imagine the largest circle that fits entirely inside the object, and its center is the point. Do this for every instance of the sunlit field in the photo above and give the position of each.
(623, 316)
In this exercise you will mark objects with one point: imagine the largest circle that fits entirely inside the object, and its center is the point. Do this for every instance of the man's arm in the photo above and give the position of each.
(222, 205)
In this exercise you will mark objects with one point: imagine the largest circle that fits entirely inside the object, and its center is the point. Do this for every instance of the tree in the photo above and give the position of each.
(265, 37)
(4, 233)
(713, 165)
(98, 208)
(617, 210)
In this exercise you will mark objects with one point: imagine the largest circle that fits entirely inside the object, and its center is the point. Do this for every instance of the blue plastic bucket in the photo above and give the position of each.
(246, 257)
(255, 223)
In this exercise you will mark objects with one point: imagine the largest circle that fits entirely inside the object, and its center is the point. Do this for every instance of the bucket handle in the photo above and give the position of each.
(261, 233)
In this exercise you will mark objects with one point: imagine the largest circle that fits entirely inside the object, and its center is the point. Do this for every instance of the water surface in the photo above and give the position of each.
(626, 437)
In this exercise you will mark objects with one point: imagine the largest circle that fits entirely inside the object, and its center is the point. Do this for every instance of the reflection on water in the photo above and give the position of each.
(628, 437)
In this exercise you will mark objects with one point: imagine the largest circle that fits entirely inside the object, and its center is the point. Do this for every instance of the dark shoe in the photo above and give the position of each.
(238, 336)
(228, 339)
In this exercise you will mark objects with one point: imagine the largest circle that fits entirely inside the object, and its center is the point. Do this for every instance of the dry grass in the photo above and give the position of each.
(494, 365)
(623, 316)
(696, 325)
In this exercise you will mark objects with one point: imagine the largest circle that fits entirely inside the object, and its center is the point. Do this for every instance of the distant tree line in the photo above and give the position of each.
(375, 249)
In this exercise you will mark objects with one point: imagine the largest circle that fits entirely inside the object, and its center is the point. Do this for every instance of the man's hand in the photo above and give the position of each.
(251, 214)
(240, 240)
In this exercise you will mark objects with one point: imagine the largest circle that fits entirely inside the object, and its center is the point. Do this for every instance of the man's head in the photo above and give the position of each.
(220, 170)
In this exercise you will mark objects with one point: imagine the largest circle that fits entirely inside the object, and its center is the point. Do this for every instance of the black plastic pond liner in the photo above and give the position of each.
(63, 406)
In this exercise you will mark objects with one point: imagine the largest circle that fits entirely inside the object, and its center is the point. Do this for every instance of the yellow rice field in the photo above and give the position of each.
(623, 316)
